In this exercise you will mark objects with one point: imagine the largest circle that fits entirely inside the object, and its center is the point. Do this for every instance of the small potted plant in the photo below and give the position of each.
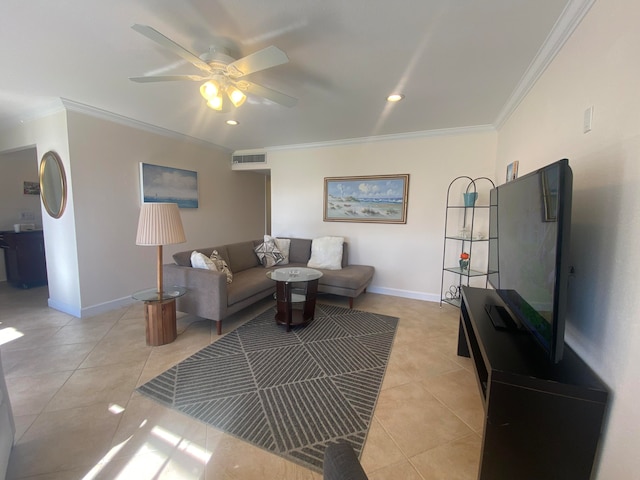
(464, 260)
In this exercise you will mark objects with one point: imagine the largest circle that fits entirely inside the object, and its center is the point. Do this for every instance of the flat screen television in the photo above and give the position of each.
(529, 230)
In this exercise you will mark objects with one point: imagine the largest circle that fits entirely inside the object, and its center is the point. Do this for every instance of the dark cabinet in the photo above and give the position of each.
(542, 420)
(24, 258)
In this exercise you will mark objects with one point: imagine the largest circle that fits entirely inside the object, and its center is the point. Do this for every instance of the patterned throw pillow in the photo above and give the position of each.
(268, 253)
(221, 265)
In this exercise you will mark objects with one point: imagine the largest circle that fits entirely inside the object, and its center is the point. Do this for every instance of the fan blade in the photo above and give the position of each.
(270, 94)
(156, 36)
(260, 60)
(167, 78)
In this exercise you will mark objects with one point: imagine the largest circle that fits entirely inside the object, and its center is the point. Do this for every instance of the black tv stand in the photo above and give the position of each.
(542, 420)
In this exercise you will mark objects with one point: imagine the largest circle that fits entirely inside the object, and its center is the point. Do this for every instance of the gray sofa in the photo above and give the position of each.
(209, 296)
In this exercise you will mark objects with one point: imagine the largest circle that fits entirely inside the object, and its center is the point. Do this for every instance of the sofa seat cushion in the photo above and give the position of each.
(248, 283)
(351, 277)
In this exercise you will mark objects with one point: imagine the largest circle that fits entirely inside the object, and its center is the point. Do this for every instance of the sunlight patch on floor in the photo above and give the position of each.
(149, 458)
(9, 334)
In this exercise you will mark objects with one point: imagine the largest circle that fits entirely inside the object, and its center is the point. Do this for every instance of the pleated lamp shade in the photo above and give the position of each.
(160, 224)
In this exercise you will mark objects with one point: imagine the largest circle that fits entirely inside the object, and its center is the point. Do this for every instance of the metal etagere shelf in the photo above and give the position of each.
(466, 224)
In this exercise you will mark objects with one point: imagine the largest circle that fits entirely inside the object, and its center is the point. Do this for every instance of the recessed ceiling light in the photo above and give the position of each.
(233, 122)
(395, 97)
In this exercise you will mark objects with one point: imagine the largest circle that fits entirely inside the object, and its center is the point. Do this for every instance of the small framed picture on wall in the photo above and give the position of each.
(512, 171)
(31, 188)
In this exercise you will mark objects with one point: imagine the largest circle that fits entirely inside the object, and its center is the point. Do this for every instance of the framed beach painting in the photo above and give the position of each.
(168, 185)
(373, 199)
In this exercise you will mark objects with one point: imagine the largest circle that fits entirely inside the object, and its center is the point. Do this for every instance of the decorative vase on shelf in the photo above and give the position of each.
(464, 261)
(470, 199)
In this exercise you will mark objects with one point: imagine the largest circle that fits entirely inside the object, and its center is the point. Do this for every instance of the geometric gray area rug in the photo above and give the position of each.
(292, 394)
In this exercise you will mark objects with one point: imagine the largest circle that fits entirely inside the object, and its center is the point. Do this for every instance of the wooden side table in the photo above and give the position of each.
(160, 314)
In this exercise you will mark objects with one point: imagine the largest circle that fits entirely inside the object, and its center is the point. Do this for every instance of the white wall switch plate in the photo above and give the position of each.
(588, 119)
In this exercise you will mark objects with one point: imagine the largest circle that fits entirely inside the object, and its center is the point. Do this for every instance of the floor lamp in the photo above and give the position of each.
(159, 225)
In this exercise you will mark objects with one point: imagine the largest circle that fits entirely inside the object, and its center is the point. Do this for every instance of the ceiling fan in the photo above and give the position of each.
(222, 75)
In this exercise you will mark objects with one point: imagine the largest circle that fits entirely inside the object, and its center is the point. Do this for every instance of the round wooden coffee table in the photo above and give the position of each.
(295, 286)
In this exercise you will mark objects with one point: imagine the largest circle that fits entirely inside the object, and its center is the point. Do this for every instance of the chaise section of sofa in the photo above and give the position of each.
(210, 296)
(350, 281)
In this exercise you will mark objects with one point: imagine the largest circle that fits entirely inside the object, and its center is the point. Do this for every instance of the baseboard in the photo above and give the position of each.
(107, 306)
(93, 310)
(394, 292)
(63, 307)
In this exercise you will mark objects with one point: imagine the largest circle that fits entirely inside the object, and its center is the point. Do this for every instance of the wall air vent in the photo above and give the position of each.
(253, 158)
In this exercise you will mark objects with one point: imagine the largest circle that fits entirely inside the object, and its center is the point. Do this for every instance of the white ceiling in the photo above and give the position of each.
(460, 63)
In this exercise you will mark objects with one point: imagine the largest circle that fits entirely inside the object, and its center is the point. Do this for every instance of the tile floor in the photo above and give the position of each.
(72, 387)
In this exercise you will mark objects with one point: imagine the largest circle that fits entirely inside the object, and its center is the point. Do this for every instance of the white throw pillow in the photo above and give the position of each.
(326, 252)
(283, 244)
(200, 260)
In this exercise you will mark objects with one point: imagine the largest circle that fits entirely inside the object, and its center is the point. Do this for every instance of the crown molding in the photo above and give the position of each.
(568, 21)
(95, 112)
(378, 138)
(45, 110)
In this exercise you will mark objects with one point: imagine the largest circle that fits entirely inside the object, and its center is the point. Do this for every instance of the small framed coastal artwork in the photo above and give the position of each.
(31, 188)
(512, 171)
(369, 199)
(168, 185)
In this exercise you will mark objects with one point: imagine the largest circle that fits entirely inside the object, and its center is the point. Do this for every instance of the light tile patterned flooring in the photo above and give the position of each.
(72, 387)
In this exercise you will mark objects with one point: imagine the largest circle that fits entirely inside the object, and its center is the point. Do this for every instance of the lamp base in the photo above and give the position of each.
(160, 320)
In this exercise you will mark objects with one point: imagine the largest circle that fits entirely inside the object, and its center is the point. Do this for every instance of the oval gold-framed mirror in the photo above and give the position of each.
(53, 184)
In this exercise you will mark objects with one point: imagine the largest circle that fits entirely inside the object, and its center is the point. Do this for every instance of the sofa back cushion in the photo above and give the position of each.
(299, 250)
(242, 256)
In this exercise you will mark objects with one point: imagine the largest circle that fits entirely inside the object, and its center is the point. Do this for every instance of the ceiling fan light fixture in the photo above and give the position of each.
(236, 96)
(209, 90)
(220, 71)
(215, 103)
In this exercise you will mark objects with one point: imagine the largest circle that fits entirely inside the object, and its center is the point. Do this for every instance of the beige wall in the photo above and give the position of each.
(408, 258)
(105, 159)
(597, 67)
(50, 133)
(92, 260)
